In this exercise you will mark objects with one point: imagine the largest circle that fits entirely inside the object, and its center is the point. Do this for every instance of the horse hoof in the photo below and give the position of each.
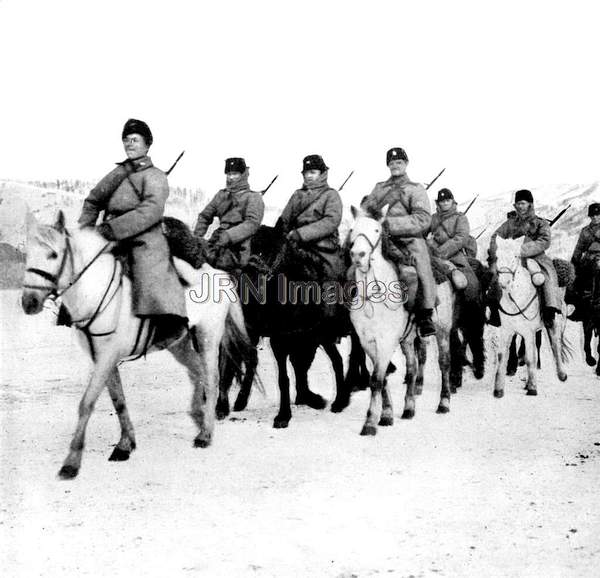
(442, 409)
(562, 376)
(479, 372)
(280, 423)
(68, 472)
(202, 442)
(311, 399)
(591, 361)
(408, 414)
(453, 389)
(510, 372)
(340, 405)
(119, 455)
(221, 415)
(498, 393)
(418, 389)
(531, 391)
(386, 420)
(368, 430)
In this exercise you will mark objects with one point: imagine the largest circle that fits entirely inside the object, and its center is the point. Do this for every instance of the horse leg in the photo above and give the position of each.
(522, 353)
(225, 381)
(457, 355)
(555, 336)
(504, 344)
(127, 442)
(203, 371)
(103, 368)
(513, 358)
(375, 405)
(302, 357)
(530, 354)
(587, 340)
(443, 341)
(282, 419)
(357, 377)
(411, 376)
(538, 346)
(421, 351)
(241, 402)
(342, 397)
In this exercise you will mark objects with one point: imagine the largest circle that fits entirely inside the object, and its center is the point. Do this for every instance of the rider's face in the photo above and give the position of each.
(595, 219)
(522, 207)
(397, 167)
(135, 146)
(445, 204)
(233, 177)
(312, 175)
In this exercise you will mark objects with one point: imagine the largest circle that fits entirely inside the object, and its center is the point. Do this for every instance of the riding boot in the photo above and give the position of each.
(425, 323)
(548, 315)
(168, 330)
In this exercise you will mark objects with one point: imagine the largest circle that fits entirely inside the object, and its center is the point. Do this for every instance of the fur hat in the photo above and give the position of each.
(594, 209)
(444, 194)
(235, 165)
(314, 162)
(523, 195)
(396, 153)
(139, 127)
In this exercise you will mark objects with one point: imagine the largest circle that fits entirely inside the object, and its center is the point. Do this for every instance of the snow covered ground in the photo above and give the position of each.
(503, 487)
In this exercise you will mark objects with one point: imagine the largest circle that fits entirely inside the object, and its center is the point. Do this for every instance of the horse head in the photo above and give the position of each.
(365, 238)
(52, 257)
(508, 259)
(47, 255)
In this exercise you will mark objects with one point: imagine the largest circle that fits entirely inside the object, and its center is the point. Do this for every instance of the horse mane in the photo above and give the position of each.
(88, 240)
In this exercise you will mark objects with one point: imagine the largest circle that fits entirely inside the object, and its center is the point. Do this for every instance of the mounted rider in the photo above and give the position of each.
(311, 219)
(133, 197)
(536, 230)
(240, 212)
(407, 222)
(449, 241)
(586, 250)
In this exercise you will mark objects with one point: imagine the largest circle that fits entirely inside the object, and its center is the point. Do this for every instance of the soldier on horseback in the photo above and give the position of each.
(586, 250)
(240, 212)
(133, 197)
(536, 230)
(448, 240)
(311, 219)
(407, 221)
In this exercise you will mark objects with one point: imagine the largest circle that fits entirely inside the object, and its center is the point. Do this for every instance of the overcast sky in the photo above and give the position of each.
(504, 94)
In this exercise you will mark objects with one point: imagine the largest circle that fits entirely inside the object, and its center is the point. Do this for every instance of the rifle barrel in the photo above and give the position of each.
(347, 179)
(436, 178)
(173, 165)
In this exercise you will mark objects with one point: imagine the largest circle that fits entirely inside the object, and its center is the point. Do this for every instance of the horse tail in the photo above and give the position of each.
(237, 350)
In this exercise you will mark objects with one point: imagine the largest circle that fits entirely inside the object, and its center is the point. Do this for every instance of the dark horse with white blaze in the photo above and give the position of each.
(77, 265)
(280, 301)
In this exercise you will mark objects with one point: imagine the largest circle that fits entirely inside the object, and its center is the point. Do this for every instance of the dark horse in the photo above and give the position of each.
(295, 324)
(589, 306)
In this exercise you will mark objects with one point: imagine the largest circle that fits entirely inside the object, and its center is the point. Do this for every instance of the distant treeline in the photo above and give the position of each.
(190, 195)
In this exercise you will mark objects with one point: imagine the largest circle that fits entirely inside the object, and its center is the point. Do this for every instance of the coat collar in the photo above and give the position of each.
(140, 164)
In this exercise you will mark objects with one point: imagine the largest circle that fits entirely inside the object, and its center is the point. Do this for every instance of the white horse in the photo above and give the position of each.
(76, 265)
(520, 313)
(382, 323)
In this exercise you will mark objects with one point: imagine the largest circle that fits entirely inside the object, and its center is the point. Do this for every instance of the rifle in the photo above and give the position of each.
(471, 204)
(436, 178)
(347, 179)
(173, 165)
(559, 215)
(269, 186)
(482, 232)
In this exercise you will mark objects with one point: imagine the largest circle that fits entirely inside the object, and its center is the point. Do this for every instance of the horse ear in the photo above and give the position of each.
(59, 225)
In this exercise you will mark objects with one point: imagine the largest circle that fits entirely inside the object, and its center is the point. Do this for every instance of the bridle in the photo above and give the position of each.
(520, 311)
(53, 291)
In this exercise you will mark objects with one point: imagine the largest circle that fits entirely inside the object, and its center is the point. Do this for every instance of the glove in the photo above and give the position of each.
(105, 230)
(220, 239)
(294, 236)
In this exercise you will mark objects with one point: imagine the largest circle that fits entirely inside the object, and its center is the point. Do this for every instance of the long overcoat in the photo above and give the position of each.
(133, 197)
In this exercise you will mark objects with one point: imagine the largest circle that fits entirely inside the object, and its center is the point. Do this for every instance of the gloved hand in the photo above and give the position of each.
(105, 230)
(221, 239)
(294, 236)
